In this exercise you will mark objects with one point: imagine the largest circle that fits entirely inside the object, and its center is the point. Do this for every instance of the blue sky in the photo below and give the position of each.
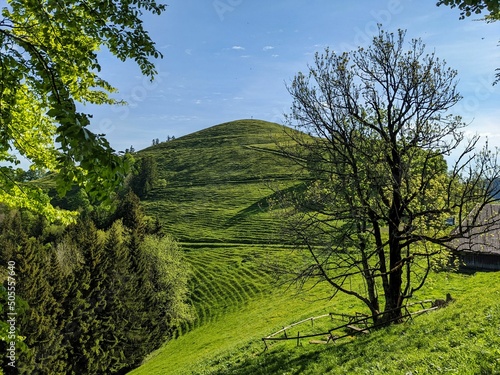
(230, 59)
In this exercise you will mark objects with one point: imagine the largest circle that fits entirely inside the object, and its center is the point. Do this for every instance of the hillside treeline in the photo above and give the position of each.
(94, 297)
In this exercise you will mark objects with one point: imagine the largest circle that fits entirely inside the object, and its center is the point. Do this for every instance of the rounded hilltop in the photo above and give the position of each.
(218, 181)
(238, 132)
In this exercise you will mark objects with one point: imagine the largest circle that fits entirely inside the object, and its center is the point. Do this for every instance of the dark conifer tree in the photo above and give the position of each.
(11, 229)
(41, 325)
(143, 180)
(39, 312)
(130, 211)
(10, 234)
(82, 305)
(118, 295)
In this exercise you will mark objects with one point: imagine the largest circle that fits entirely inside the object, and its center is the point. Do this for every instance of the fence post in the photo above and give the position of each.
(298, 338)
(284, 330)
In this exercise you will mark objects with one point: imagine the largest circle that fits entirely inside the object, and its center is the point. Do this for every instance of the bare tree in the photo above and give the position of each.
(374, 133)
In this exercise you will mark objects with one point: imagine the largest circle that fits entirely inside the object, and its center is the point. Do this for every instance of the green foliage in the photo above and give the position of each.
(28, 256)
(6, 331)
(76, 199)
(29, 175)
(164, 267)
(41, 322)
(97, 300)
(469, 7)
(129, 210)
(48, 62)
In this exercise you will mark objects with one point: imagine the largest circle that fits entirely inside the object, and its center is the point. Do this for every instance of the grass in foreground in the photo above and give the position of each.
(463, 338)
(229, 339)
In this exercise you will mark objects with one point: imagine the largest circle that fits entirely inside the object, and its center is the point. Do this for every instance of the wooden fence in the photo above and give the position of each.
(352, 324)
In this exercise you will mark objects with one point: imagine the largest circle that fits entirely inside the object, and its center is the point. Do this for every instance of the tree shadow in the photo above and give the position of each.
(263, 204)
(273, 362)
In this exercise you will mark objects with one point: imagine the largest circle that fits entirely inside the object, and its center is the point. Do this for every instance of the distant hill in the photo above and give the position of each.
(218, 181)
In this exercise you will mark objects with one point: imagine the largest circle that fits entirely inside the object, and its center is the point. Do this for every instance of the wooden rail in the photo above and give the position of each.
(354, 324)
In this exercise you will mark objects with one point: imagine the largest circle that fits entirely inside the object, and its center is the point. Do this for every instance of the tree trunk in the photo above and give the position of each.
(393, 300)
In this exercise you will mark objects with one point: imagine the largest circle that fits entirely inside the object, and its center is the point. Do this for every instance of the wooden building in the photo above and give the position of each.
(480, 250)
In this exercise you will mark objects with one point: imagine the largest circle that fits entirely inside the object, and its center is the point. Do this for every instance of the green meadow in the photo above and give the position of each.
(214, 201)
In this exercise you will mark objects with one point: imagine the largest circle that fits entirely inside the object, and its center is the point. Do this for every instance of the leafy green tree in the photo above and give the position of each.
(165, 280)
(469, 7)
(48, 64)
(373, 215)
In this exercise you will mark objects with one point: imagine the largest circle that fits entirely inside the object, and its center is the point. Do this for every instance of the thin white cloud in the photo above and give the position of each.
(267, 48)
(238, 48)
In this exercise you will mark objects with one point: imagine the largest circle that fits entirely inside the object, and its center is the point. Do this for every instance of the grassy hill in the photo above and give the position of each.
(214, 203)
(218, 182)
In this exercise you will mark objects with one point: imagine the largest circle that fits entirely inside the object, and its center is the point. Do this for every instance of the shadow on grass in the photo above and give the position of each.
(274, 362)
(263, 204)
(305, 359)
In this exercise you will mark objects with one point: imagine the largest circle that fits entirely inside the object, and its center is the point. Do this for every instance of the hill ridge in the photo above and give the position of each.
(243, 129)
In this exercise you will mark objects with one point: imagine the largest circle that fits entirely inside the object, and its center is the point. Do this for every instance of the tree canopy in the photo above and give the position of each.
(375, 131)
(48, 64)
(469, 7)
(92, 300)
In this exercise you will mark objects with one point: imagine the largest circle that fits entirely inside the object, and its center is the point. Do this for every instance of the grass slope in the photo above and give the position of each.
(218, 180)
(215, 204)
(463, 338)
